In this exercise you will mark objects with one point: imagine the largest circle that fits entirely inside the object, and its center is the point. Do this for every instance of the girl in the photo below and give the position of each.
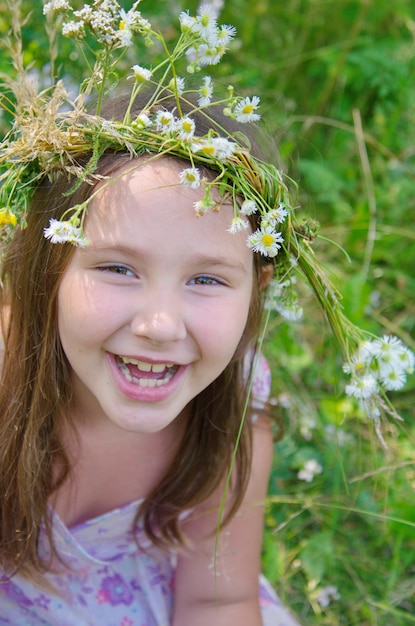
(127, 357)
(134, 446)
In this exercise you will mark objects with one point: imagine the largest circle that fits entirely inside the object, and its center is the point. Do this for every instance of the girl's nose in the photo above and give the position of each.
(160, 321)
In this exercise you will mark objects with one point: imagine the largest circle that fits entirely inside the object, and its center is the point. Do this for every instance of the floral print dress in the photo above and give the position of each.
(108, 581)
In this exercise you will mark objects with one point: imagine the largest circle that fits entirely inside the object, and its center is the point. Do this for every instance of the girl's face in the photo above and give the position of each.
(152, 311)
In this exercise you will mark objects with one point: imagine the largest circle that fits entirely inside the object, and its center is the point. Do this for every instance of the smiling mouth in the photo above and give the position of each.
(144, 373)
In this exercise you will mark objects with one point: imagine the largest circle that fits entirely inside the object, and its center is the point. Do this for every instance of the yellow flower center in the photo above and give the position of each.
(209, 150)
(122, 25)
(247, 110)
(267, 240)
(187, 127)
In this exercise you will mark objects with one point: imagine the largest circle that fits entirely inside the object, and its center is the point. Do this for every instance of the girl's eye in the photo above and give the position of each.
(204, 280)
(117, 269)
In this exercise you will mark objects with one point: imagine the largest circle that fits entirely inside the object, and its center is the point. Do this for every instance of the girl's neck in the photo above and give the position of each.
(112, 467)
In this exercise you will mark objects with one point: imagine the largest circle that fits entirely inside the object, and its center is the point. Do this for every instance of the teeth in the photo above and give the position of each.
(158, 367)
(147, 367)
(144, 366)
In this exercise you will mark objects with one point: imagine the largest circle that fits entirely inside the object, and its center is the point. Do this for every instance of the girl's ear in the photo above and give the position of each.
(266, 274)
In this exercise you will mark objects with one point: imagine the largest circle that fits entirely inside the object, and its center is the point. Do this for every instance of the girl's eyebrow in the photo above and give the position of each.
(218, 261)
(197, 259)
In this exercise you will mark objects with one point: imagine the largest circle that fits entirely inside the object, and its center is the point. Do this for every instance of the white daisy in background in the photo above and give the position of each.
(125, 37)
(125, 28)
(386, 361)
(281, 297)
(177, 85)
(407, 359)
(130, 19)
(205, 91)
(141, 73)
(225, 34)
(356, 364)
(206, 23)
(210, 55)
(244, 110)
(327, 595)
(310, 469)
(362, 388)
(393, 379)
(190, 177)
(188, 23)
(291, 311)
(388, 344)
(266, 241)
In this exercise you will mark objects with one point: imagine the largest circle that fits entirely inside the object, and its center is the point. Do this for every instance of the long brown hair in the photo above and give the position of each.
(35, 389)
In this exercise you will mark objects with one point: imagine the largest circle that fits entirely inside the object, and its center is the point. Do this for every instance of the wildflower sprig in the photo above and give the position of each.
(378, 366)
(53, 132)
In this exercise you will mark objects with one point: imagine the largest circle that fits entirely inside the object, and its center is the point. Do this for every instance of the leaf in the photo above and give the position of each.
(317, 556)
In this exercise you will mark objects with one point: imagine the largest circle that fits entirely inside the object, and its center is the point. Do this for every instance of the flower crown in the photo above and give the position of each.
(51, 130)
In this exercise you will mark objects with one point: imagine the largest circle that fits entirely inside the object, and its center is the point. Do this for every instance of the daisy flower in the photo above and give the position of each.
(393, 379)
(210, 55)
(165, 121)
(141, 73)
(237, 225)
(266, 241)
(203, 206)
(143, 121)
(205, 92)
(65, 232)
(190, 177)
(206, 23)
(248, 207)
(177, 84)
(245, 110)
(278, 214)
(224, 148)
(125, 37)
(386, 345)
(186, 128)
(224, 35)
(362, 388)
(407, 360)
(188, 23)
(216, 147)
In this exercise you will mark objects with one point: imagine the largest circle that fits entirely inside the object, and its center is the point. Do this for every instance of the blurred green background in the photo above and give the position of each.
(337, 85)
